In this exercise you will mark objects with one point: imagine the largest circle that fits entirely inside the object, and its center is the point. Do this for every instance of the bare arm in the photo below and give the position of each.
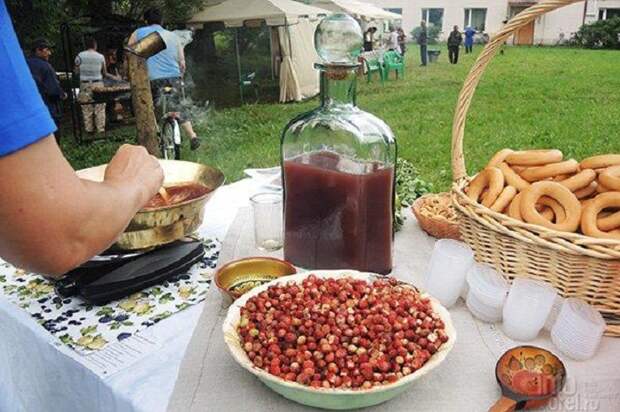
(182, 66)
(52, 220)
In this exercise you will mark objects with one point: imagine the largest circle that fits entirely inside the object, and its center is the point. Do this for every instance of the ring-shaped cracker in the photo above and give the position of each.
(534, 157)
(601, 161)
(591, 211)
(580, 180)
(534, 174)
(610, 178)
(504, 199)
(556, 191)
(491, 179)
(499, 157)
(512, 177)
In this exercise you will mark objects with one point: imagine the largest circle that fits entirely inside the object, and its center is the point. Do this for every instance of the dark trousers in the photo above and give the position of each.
(453, 54)
(469, 48)
(424, 54)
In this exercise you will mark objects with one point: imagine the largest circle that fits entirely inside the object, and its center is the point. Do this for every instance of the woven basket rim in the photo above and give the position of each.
(417, 204)
(573, 243)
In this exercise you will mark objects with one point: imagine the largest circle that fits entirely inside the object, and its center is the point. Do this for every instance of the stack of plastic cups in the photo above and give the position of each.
(578, 329)
(487, 293)
(449, 264)
(527, 308)
(554, 313)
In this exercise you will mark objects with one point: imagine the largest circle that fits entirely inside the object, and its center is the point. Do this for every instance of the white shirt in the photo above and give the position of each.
(91, 64)
(394, 41)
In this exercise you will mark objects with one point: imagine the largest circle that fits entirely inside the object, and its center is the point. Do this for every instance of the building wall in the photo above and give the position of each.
(548, 29)
(594, 6)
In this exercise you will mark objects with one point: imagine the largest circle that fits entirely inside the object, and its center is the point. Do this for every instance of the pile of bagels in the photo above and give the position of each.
(541, 188)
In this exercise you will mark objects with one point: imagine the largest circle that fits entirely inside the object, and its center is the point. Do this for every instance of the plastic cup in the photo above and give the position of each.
(527, 308)
(578, 330)
(448, 267)
(487, 293)
(554, 313)
(267, 210)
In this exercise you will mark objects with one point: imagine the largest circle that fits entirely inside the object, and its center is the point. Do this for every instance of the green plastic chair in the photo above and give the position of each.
(392, 60)
(374, 66)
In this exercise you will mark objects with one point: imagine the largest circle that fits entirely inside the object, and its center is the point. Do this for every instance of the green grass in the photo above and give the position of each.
(529, 97)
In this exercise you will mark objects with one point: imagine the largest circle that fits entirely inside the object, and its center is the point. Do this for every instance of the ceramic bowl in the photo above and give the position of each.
(322, 397)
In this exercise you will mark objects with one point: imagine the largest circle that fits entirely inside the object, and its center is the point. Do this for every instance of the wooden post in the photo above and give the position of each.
(142, 101)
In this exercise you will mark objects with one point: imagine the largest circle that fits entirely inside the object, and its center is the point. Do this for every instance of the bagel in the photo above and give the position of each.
(491, 179)
(562, 195)
(534, 157)
(608, 222)
(534, 174)
(512, 178)
(559, 178)
(610, 178)
(504, 199)
(586, 191)
(499, 157)
(601, 161)
(580, 180)
(514, 210)
(589, 224)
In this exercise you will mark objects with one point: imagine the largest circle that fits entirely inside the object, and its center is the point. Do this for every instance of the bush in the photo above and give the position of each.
(602, 34)
(432, 31)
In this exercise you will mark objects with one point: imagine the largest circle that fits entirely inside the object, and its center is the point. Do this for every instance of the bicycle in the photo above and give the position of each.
(169, 129)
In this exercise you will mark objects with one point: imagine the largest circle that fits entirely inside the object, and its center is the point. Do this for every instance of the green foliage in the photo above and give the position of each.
(409, 187)
(433, 32)
(602, 34)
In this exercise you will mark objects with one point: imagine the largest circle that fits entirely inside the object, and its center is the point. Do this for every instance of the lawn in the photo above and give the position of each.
(529, 97)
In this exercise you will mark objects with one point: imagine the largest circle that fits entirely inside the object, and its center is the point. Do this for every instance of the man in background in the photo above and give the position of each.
(454, 44)
(470, 32)
(166, 68)
(91, 67)
(423, 42)
(46, 80)
(393, 40)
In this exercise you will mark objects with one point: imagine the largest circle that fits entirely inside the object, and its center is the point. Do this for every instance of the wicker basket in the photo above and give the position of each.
(577, 265)
(435, 225)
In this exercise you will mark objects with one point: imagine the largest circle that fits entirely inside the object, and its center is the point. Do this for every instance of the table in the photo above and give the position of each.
(37, 373)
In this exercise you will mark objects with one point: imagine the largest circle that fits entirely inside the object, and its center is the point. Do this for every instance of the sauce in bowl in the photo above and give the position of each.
(177, 194)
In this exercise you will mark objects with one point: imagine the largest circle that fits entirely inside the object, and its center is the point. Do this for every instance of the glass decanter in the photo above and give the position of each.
(338, 166)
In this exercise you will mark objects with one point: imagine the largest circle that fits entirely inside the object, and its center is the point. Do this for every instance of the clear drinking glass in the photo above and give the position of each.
(267, 210)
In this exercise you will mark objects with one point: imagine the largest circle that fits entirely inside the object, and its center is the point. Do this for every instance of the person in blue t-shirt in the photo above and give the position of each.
(166, 68)
(470, 32)
(52, 220)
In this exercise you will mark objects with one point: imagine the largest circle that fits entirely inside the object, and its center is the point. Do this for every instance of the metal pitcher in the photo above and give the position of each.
(149, 46)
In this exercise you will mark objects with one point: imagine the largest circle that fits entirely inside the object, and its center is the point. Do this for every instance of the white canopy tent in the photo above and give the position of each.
(358, 9)
(293, 23)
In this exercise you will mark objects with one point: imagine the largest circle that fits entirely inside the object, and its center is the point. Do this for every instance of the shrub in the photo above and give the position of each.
(602, 34)
(432, 31)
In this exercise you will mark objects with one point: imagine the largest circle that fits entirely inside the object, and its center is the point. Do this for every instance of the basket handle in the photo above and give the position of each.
(469, 87)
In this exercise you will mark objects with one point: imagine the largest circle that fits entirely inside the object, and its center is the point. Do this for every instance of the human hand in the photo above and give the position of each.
(134, 169)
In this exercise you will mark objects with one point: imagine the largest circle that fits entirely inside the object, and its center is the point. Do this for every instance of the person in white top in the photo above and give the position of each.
(393, 43)
(92, 69)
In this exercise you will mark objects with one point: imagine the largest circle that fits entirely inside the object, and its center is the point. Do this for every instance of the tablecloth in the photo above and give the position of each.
(210, 379)
(36, 374)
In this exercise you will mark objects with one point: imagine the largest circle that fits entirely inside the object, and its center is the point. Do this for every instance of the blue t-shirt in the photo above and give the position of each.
(469, 35)
(24, 119)
(165, 64)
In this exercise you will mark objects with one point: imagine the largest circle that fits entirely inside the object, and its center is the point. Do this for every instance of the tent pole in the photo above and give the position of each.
(271, 38)
(238, 63)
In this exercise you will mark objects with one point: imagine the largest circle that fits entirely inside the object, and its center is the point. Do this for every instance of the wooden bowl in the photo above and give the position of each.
(426, 210)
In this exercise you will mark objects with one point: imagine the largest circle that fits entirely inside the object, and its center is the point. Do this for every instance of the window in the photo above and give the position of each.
(605, 14)
(433, 16)
(476, 18)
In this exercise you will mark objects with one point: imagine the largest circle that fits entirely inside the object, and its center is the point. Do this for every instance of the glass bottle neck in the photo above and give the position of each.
(338, 86)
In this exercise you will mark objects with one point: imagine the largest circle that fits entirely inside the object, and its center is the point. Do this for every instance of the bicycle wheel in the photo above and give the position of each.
(169, 148)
